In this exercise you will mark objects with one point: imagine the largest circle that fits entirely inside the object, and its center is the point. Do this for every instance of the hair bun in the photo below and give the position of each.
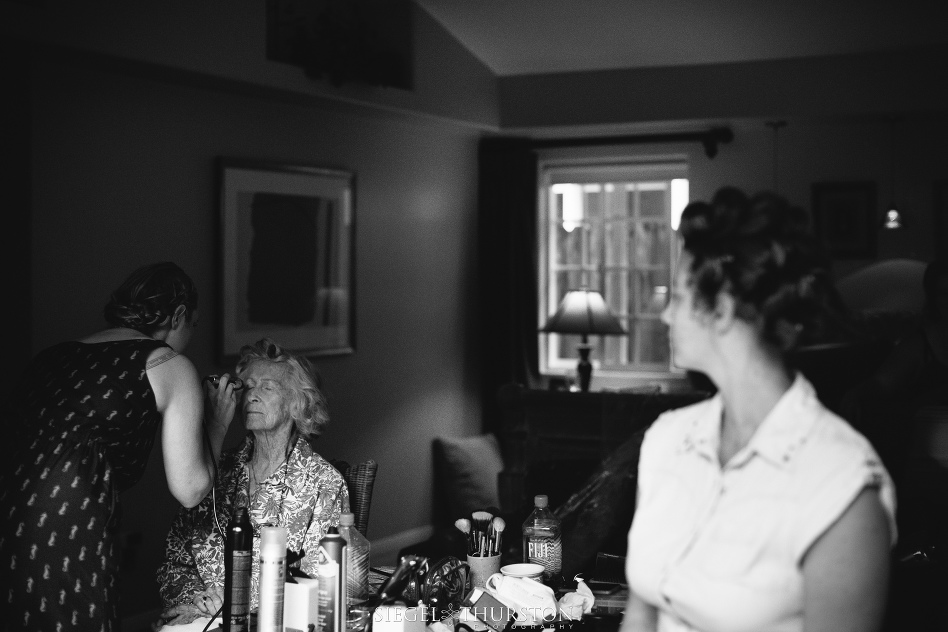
(150, 296)
(759, 250)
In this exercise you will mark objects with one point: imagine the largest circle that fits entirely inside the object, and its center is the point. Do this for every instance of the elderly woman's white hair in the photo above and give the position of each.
(306, 403)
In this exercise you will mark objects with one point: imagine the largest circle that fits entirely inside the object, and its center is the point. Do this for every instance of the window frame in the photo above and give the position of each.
(639, 169)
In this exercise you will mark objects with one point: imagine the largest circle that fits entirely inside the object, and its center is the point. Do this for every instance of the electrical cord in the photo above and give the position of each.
(214, 616)
(207, 442)
(210, 451)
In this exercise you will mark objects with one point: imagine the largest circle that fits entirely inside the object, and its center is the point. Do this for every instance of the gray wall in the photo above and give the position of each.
(123, 173)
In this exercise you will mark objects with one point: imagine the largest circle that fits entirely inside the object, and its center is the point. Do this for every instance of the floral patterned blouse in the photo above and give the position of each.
(306, 495)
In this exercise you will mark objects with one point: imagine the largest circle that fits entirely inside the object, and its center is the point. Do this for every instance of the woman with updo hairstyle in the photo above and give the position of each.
(758, 509)
(80, 435)
(149, 296)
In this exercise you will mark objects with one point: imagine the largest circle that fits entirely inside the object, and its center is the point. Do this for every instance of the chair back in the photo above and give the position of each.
(360, 479)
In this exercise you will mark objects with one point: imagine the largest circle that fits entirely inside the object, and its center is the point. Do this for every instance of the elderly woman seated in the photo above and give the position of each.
(274, 473)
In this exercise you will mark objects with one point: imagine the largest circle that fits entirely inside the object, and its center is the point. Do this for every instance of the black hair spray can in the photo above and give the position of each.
(238, 552)
(332, 582)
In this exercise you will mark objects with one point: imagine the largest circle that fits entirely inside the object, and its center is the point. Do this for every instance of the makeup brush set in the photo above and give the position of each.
(484, 533)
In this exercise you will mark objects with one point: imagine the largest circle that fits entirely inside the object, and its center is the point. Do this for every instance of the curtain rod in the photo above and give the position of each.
(709, 139)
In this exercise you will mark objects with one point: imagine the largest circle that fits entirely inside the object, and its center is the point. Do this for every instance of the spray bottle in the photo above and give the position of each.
(238, 553)
(332, 582)
(272, 579)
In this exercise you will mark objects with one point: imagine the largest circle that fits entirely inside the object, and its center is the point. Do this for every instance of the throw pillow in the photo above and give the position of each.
(467, 469)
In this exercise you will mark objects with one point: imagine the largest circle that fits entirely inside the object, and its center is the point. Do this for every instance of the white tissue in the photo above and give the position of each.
(574, 605)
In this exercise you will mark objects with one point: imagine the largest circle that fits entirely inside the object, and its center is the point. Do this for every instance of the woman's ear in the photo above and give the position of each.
(724, 313)
(179, 316)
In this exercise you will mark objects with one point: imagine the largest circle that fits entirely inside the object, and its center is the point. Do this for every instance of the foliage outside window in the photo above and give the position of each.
(610, 227)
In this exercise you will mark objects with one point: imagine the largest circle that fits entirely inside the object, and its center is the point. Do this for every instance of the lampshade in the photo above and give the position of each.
(583, 312)
(893, 219)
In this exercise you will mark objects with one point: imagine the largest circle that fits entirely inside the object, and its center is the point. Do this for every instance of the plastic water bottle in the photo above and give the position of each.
(541, 540)
(357, 559)
(357, 553)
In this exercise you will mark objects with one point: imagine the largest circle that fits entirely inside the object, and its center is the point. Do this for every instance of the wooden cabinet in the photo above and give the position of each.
(553, 440)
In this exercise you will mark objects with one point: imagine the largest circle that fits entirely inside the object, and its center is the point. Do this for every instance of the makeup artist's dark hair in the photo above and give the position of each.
(758, 249)
(149, 296)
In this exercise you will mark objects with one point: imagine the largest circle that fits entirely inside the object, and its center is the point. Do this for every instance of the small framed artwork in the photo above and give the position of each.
(844, 218)
(287, 257)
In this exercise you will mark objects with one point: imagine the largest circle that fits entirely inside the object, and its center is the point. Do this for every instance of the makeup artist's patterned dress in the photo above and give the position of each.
(84, 426)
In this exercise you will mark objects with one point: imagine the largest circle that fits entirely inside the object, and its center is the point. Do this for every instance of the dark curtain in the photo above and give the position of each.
(16, 182)
(507, 254)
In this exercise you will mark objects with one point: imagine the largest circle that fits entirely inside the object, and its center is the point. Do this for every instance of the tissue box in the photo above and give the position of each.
(300, 604)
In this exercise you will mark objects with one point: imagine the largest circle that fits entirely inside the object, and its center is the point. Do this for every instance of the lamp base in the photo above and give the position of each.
(584, 368)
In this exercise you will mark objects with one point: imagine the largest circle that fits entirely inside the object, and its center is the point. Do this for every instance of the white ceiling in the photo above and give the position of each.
(518, 37)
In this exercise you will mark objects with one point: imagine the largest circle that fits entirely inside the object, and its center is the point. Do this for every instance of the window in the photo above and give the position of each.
(610, 227)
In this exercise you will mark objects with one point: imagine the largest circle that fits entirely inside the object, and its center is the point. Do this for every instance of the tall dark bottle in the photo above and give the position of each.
(238, 555)
(332, 583)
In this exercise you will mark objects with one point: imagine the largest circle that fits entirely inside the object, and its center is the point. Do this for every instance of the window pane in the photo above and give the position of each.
(591, 279)
(614, 242)
(569, 245)
(616, 205)
(613, 348)
(652, 202)
(649, 244)
(593, 201)
(619, 243)
(630, 196)
(652, 288)
(617, 284)
(567, 345)
(567, 280)
(594, 251)
(652, 342)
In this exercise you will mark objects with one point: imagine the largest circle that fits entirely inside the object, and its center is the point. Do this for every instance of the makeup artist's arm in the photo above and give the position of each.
(189, 467)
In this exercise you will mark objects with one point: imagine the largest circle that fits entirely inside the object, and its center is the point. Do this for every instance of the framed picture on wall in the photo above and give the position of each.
(287, 257)
(844, 218)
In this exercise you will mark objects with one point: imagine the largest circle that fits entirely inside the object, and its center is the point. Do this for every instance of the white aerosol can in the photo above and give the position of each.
(272, 579)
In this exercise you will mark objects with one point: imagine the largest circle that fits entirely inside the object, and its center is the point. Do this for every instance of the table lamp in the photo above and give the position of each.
(583, 312)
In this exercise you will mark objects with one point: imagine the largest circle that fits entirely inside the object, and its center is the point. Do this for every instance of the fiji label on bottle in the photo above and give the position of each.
(546, 551)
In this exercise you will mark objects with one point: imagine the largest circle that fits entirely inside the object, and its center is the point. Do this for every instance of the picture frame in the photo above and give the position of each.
(287, 257)
(845, 218)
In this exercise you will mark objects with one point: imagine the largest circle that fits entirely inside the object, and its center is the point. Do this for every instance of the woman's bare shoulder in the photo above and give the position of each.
(114, 334)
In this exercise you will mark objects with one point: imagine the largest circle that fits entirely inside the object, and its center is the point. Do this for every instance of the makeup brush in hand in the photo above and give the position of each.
(498, 525)
(480, 525)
